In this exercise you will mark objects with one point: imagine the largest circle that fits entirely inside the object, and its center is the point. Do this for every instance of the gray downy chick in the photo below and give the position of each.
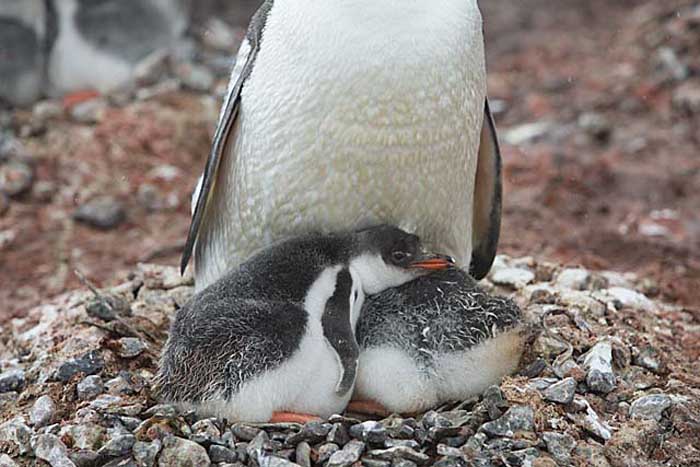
(440, 338)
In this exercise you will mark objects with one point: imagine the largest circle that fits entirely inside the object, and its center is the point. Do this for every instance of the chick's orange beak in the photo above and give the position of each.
(433, 262)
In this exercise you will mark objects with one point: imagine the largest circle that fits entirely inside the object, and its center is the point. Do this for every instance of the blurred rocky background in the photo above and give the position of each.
(109, 105)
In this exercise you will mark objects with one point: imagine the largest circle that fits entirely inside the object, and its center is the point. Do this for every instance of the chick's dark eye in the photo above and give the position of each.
(399, 256)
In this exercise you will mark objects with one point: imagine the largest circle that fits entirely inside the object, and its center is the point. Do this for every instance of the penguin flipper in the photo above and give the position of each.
(224, 128)
(486, 220)
(337, 329)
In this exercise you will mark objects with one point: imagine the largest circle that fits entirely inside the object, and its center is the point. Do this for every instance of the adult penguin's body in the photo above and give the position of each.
(343, 114)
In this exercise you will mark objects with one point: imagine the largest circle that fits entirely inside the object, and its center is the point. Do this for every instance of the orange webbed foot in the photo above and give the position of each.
(291, 417)
(368, 408)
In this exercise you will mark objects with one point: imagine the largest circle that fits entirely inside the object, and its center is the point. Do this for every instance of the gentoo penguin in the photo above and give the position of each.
(99, 43)
(341, 115)
(440, 338)
(22, 50)
(276, 336)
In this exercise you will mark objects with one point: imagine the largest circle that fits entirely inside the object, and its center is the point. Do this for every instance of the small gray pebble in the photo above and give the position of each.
(103, 212)
(650, 407)
(244, 432)
(348, 455)
(559, 446)
(178, 452)
(15, 178)
(562, 392)
(90, 363)
(338, 435)
(303, 454)
(517, 418)
(12, 380)
(370, 432)
(130, 347)
(51, 449)
(119, 445)
(91, 386)
(325, 451)
(145, 453)
(222, 454)
(42, 411)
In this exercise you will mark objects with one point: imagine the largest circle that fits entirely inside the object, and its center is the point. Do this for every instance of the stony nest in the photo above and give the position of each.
(606, 383)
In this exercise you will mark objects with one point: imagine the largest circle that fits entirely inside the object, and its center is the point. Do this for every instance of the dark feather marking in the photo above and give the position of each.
(337, 328)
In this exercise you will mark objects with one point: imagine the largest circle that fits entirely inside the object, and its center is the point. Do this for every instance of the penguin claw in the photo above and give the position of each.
(367, 408)
(292, 417)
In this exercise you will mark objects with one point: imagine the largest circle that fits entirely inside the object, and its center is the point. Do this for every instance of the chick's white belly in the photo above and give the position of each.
(390, 376)
(303, 384)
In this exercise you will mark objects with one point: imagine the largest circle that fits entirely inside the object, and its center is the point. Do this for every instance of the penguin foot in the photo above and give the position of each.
(368, 408)
(291, 417)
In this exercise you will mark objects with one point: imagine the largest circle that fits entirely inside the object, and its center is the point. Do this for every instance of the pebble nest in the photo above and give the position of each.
(605, 383)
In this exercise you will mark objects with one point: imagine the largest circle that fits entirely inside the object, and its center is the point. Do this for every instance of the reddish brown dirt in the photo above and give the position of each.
(568, 196)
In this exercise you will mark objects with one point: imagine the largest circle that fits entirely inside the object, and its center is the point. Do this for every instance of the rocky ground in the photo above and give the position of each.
(609, 381)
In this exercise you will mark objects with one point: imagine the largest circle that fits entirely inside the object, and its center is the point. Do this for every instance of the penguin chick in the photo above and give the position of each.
(437, 339)
(277, 334)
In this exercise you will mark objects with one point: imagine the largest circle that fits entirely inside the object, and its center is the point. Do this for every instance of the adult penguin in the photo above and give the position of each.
(345, 114)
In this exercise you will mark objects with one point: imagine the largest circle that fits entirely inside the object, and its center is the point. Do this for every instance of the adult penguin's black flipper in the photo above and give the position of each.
(486, 221)
(224, 130)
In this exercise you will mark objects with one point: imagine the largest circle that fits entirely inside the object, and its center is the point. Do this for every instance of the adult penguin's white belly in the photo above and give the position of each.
(352, 113)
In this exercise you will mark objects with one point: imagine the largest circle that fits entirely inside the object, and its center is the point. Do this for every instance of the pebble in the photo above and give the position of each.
(16, 431)
(244, 432)
(15, 178)
(145, 452)
(130, 347)
(561, 392)
(90, 387)
(42, 411)
(597, 126)
(325, 451)
(559, 446)
(513, 277)
(103, 212)
(312, 432)
(303, 454)
(348, 455)
(219, 35)
(90, 363)
(87, 436)
(650, 407)
(400, 452)
(686, 98)
(517, 418)
(6, 461)
(370, 432)
(195, 77)
(526, 133)
(648, 357)
(598, 363)
(51, 449)
(12, 380)
(573, 278)
(338, 435)
(119, 444)
(222, 454)
(178, 452)
(89, 111)
(46, 110)
(631, 298)
(591, 422)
